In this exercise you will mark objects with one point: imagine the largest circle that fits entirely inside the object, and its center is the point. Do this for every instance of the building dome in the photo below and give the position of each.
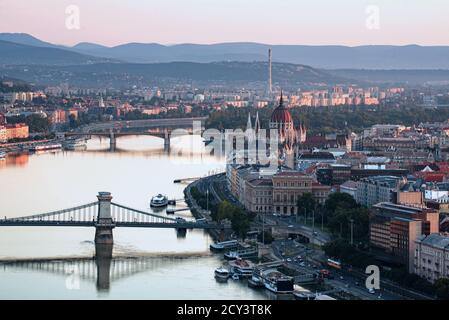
(281, 117)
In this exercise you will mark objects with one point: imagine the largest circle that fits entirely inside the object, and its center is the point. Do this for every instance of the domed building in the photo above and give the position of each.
(282, 121)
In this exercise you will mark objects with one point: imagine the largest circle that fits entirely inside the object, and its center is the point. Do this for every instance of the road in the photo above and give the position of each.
(309, 263)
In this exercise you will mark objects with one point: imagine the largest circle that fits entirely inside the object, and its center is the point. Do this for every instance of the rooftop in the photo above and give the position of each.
(435, 240)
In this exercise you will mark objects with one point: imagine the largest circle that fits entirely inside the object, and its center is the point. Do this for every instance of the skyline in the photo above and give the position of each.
(350, 23)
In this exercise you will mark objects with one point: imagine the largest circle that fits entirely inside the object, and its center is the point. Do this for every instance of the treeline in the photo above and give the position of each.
(332, 119)
(35, 122)
(240, 220)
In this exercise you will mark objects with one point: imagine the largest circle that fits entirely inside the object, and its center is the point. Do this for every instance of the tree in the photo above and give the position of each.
(306, 202)
(225, 211)
(442, 288)
(342, 200)
(37, 123)
(340, 223)
(240, 223)
(266, 237)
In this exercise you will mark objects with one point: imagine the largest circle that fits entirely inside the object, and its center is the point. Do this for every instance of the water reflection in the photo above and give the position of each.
(102, 269)
(103, 259)
(145, 263)
(15, 160)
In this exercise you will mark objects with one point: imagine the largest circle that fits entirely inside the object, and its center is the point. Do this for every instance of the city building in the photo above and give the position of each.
(259, 195)
(3, 134)
(432, 257)
(377, 189)
(289, 186)
(307, 159)
(393, 228)
(17, 131)
(263, 191)
(349, 187)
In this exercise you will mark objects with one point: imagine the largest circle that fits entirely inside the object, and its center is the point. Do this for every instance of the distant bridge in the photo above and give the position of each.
(161, 128)
(105, 215)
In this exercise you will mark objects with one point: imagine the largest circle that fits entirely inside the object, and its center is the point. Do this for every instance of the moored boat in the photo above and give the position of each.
(222, 273)
(220, 246)
(45, 147)
(73, 144)
(304, 295)
(277, 282)
(242, 268)
(159, 201)
(255, 281)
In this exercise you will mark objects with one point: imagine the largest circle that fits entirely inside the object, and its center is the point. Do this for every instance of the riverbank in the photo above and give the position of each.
(198, 212)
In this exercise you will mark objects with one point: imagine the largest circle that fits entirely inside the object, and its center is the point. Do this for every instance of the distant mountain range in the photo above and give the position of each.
(12, 53)
(325, 57)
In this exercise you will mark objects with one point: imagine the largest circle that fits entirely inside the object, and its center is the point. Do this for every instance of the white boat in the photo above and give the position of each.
(73, 144)
(242, 268)
(45, 147)
(219, 246)
(159, 201)
(255, 281)
(231, 255)
(277, 282)
(221, 273)
(304, 295)
(2, 155)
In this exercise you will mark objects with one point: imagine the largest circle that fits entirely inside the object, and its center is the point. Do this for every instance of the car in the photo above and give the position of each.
(180, 220)
(291, 226)
(341, 278)
(289, 260)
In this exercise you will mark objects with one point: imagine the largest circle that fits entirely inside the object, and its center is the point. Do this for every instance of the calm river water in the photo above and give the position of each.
(57, 263)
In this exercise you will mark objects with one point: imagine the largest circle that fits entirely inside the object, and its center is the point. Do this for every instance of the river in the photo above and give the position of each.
(57, 263)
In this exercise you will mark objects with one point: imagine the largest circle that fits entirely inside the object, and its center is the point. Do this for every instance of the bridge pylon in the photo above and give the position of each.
(104, 223)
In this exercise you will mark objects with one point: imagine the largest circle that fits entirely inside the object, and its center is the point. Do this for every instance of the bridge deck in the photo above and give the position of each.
(161, 225)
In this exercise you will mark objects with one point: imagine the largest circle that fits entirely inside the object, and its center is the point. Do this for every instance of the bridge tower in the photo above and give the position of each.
(167, 137)
(104, 223)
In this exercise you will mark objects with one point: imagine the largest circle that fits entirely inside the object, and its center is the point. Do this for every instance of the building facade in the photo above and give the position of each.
(377, 189)
(432, 257)
(17, 131)
(394, 228)
(3, 134)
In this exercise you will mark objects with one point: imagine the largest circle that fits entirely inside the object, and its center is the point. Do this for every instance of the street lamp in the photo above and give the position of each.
(207, 199)
(352, 231)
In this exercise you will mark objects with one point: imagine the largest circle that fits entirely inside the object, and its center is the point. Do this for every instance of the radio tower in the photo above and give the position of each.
(270, 83)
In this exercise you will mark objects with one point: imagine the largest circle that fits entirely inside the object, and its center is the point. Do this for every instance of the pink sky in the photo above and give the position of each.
(112, 22)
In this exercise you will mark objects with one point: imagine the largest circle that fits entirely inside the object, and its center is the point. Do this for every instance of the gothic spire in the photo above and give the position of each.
(281, 102)
(248, 124)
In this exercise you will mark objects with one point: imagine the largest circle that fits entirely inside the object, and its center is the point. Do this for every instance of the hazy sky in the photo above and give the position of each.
(346, 22)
